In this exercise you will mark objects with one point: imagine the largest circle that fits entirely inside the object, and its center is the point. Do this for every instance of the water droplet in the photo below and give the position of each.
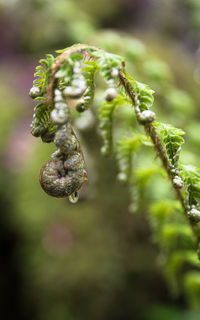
(73, 198)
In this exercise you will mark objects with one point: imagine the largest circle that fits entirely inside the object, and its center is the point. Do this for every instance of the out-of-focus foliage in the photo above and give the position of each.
(49, 22)
(52, 21)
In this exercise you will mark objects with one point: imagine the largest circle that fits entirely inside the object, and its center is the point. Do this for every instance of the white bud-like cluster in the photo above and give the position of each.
(78, 85)
(57, 96)
(178, 182)
(34, 92)
(194, 215)
(114, 72)
(146, 116)
(110, 94)
(60, 114)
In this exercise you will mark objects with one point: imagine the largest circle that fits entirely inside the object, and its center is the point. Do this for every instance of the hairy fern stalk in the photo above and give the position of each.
(71, 77)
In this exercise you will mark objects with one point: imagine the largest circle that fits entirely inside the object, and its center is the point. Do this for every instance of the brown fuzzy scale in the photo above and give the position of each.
(60, 182)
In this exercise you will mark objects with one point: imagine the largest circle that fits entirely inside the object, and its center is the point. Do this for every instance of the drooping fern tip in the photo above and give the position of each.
(71, 77)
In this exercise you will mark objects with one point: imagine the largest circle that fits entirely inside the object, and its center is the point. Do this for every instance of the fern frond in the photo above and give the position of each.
(106, 113)
(144, 94)
(42, 74)
(65, 72)
(88, 96)
(172, 140)
(107, 63)
(105, 124)
(191, 178)
(124, 153)
(41, 119)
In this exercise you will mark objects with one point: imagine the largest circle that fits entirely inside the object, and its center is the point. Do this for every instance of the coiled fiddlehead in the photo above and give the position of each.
(70, 76)
(65, 173)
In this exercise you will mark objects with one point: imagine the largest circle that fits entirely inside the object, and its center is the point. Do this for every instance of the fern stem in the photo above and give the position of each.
(63, 57)
(151, 131)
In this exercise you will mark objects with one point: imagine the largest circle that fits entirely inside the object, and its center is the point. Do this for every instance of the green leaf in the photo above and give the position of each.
(106, 113)
(172, 141)
(50, 59)
(44, 62)
(191, 178)
(41, 119)
(106, 62)
(143, 92)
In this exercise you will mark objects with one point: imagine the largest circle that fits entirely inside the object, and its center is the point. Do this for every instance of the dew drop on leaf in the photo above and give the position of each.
(73, 198)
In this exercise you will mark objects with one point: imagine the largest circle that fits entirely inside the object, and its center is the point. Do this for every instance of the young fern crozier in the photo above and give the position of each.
(71, 76)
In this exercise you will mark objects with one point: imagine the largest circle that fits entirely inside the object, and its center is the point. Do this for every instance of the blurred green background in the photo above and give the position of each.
(94, 260)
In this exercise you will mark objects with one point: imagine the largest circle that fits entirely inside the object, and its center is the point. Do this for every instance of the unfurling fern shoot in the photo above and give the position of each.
(71, 76)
